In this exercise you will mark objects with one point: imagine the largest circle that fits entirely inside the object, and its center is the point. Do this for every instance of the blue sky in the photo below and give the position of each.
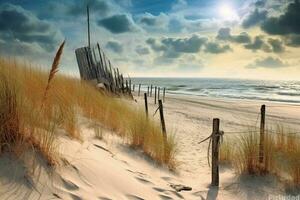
(191, 38)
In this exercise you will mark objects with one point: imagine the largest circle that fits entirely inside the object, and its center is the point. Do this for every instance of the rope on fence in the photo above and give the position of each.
(221, 133)
(156, 110)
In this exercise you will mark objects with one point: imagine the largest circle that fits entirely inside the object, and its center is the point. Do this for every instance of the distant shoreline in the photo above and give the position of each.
(287, 92)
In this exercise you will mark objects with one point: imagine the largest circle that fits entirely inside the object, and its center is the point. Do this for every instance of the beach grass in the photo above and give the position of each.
(281, 154)
(34, 104)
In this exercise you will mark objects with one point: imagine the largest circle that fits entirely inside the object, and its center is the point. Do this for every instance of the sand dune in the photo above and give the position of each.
(109, 169)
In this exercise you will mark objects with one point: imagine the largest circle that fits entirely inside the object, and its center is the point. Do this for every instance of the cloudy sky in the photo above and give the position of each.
(165, 38)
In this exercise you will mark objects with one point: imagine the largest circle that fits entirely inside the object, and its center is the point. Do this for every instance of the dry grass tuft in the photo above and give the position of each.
(54, 68)
(31, 112)
(226, 151)
(281, 154)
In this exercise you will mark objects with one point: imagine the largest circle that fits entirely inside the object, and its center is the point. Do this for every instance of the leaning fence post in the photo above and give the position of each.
(146, 104)
(262, 133)
(151, 90)
(139, 90)
(215, 152)
(155, 94)
(148, 91)
(164, 94)
(158, 92)
(162, 119)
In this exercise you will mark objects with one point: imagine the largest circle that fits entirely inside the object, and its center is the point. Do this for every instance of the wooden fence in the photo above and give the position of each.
(95, 66)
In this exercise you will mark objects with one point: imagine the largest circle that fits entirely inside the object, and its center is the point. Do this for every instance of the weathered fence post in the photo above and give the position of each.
(151, 90)
(139, 90)
(158, 92)
(162, 119)
(133, 87)
(146, 104)
(129, 89)
(164, 94)
(155, 94)
(215, 152)
(262, 133)
(148, 91)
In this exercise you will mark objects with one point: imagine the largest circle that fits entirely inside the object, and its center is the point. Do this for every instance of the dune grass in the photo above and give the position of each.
(30, 115)
(281, 154)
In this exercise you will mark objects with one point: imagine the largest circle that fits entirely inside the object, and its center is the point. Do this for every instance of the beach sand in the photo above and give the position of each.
(109, 169)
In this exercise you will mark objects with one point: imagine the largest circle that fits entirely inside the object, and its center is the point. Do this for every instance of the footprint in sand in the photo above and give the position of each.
(133, 197)
(69, 185)
(167, 192)
(177, 194)
(138, 173)
(159, 189)
(56, 195)
(75, 197)
(166, 178)
(104, 198)
(142, 180)
(164, 197)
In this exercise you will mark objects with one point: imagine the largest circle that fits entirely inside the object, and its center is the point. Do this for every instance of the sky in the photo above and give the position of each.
(249, 39)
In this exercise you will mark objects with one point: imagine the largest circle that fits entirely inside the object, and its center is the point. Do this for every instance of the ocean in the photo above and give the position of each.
(278, 91)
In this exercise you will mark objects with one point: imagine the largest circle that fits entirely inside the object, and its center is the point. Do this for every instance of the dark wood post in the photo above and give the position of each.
(129, 89)
(164, 94)
(155, 89)
(215, 152)
(139, 90)
(158, 92)
(151, 90)
(262, 133)
(148, 91)
(126, 86)
(162, 119)
(146, 104)
(133, 87)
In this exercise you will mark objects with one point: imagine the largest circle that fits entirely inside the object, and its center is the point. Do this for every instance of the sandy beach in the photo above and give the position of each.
(109, 169)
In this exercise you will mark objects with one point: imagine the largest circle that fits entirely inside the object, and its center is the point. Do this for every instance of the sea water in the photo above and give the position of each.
(269, 90)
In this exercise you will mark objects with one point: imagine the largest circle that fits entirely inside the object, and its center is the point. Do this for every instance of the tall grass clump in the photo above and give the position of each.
(281, 154)
(226, 151)
(35, 103)
(146, 135)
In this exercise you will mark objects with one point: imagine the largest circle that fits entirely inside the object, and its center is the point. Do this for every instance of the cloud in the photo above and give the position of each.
(260, 3)
(258, 44)
(190, 67)
(21, 26)
(114, 46)
(142, 50)
(171, 46)
(224, 34)
(179, 4)
(287, 23)
(216, 48)
(100, 7)
(155, 45)
(268, 62)
(293, 40)
(254, 18)
(117, 24)
(276, 45)
(184, 45)
(148, 20)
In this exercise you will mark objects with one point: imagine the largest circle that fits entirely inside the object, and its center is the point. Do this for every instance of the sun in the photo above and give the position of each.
(227, 12)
